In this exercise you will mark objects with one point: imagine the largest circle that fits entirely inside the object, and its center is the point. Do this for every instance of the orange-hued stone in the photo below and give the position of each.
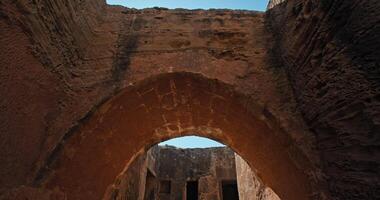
(86, 87)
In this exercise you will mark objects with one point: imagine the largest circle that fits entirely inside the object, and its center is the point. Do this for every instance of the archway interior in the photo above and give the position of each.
(167, 106)
(189, 167)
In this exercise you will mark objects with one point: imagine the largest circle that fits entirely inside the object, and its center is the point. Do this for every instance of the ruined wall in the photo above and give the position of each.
(331, 52)
(249, 184)
(207, 166)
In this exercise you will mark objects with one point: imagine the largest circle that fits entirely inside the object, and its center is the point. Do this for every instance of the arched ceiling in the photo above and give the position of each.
(167, 106)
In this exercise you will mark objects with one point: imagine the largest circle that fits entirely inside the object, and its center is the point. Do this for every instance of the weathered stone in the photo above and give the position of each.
(331, 52)
(67, 69)
(31, 193)
(249, 184)
(209, 167)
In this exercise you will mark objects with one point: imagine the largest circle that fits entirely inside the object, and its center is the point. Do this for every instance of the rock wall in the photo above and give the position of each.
(46, 46)
(31, 193)
(331, 52)
(207, 166)
(63, 59)
(273, 3)
(136, 182)
(249, 184)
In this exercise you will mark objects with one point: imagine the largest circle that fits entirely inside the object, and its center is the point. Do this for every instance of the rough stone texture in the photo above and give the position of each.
(89, 50)
(29, 193)
(60, 60)
(134, 183)
(54, 59)
(331, 52)
(249, 184)
(174, 105)
(273, 3)
(208, 166)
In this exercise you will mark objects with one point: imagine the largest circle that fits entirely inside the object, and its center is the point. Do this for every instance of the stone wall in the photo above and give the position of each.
(61, 59)
(330, 50)
(208, 166)
(273, 3)
(249, 184)
(68, 58)
(46, 46)
(134, 183)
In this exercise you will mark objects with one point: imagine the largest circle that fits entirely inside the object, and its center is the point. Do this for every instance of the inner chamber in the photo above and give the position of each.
(189, 168)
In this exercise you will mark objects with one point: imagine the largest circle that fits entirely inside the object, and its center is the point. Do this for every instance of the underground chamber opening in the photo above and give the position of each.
(189, 168)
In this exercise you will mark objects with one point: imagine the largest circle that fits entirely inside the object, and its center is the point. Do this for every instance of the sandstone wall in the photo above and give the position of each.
(249, 184)
(273, 3)
(331, 53)
(61, 59)
(208, 166)
(45, 47)
(136, 182)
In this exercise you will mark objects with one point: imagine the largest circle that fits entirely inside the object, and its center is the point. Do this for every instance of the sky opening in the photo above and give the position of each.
(258, 5)
(192, 142)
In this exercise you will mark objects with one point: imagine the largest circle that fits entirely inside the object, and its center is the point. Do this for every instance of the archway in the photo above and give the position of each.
(172, 105)
(189, 167)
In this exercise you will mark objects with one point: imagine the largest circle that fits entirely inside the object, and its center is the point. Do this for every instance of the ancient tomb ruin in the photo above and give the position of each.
(169, 173)
(87, 87)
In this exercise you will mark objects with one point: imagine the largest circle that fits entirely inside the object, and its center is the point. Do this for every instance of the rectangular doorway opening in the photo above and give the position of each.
(230, 190)
(192, 190)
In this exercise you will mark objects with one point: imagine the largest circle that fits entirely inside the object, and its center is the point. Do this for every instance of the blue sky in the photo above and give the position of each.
(192, 142)
(259, 5)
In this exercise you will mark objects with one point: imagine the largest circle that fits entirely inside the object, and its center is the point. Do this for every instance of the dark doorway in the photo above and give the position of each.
(192, 190)
(230, 190)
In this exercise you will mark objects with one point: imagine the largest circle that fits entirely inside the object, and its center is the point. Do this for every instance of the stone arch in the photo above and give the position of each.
(171, 105)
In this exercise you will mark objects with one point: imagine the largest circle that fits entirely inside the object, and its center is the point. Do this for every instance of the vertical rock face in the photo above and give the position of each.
(331, 51)
(137, 182)
(207, 166)
(273, 3)
(171, 170)
(43, 44)
(30, 193)
(249, 184)
(60, 60)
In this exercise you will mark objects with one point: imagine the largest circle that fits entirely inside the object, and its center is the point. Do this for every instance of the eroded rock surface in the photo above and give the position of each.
(60, 60)
(164, 173)
(249, 184)
(331, 52)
